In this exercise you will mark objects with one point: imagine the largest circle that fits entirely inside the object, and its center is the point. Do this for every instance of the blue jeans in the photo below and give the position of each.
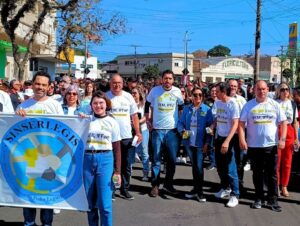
(226, 166)
(97, 174)
(46, 216)
(211, 153)
(170, 141)
(142, 150)
(127, 159)
(196, 156)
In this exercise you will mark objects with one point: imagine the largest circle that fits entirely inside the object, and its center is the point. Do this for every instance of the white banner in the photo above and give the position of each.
(41, 161)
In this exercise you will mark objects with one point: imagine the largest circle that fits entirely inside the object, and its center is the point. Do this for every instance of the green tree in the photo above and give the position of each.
(152, 71)
(12, 11)
(82, 25)
(287, 73)
(219, 50)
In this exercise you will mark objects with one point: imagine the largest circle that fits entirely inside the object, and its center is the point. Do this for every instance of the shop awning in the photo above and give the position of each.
(7, 47)
(4, 48)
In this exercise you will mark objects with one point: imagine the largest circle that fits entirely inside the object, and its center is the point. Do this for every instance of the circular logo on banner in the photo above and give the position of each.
(42, 160)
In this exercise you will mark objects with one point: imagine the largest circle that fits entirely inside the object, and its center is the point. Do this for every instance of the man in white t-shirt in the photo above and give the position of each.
(124, 110)
(226, 119)
(39, 104)
(165, 101)
(262, 116)
(239, 154)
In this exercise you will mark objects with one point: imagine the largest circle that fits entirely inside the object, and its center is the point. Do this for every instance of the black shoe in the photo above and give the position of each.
(170, 189)
(274, 206)
(257, 204)
(126, 195)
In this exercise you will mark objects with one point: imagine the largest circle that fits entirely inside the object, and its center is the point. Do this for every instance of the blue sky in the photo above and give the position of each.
(158, 26)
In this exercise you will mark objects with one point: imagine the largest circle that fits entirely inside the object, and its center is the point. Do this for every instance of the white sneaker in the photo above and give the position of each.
(178, 160)
(223, 193)
(183, 160)
(233, 202)
(247, 167)
(56, 211)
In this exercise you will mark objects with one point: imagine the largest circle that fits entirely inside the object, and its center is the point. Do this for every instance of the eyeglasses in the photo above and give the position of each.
(284, 89)
(197, 95)
(72, 94)
(51, 87)
(134, 93)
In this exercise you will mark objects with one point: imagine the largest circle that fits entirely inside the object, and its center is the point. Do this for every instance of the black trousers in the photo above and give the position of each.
(264, 166)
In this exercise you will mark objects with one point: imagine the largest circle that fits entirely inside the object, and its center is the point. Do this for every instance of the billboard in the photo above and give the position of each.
(293, 37)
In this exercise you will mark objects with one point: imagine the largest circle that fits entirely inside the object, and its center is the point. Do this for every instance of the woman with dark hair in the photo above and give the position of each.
(102, 161)
(192, 123)
(284, 98)
(142, 149)
(86, 99)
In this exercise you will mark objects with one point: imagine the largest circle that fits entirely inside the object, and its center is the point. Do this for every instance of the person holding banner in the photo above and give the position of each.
(39, 104)
(100, 162)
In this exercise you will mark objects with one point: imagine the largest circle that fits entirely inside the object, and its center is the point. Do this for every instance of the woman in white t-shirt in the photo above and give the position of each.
(284, 98)
(102, 161)
(142, 149)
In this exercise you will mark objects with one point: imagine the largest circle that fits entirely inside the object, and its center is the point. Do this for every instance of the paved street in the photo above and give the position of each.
(176, 211)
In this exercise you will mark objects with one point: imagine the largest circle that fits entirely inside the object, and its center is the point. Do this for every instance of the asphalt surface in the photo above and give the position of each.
(168, 210)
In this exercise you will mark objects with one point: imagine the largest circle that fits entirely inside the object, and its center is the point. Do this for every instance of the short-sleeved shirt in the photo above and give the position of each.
(262, 122)
(288, 109)
(165, 106)
(5, 101)
(123, 107)
(48, 107)
(102, 132)
(225, 113)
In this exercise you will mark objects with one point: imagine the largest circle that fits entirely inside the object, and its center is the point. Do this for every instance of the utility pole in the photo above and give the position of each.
(185, 70)
(281, 61)
(257, 41)
(135, 60)
(85, 57)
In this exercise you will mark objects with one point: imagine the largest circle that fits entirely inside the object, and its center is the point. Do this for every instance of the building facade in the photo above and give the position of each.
(218, 69)
(43, 50)
(134, 65)
(270, 67)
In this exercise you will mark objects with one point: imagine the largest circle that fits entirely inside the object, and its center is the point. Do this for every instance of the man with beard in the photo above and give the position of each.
(39, 104)
(166, 102)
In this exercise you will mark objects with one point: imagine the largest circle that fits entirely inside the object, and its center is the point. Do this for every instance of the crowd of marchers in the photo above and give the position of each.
(160, 122)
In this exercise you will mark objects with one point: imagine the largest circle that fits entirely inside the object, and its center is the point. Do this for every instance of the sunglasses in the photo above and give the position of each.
(284, 89)
(72, 94)
(197, 95)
